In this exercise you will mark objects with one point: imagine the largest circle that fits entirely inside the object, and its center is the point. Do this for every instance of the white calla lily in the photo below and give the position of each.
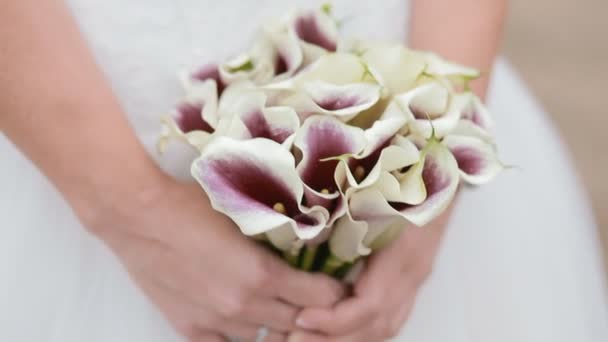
(256, 66)
(334, 68)
(432, 109)
(347, 240)
(255, 183)
(456, 73)
(398, 67)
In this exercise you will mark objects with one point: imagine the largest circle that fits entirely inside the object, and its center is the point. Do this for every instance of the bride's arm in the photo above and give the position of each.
(58, 109)
(465, 31)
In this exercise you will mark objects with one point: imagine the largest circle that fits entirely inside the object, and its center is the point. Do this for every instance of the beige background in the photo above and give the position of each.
(561, 49)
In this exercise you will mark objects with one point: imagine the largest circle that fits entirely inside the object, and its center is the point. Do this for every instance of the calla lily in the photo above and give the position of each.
(255, 183)
(301, 38)
(347, 240)
(436, 176)
(475, 118)
(384, 151)
(432, 109)
(398, 67)
(316, 29)
(321, 139)
(477, 159)
(287, 54)
(352, 239)
(256, 66)
(251, 119)
(343, 101)
(204, 74)
(194, 120)
(335, 68)
(456, 73)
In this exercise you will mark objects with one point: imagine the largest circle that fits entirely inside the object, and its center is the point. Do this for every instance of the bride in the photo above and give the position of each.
(102, 240)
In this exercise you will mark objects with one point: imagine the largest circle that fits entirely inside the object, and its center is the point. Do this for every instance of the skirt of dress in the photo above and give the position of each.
(520, 261)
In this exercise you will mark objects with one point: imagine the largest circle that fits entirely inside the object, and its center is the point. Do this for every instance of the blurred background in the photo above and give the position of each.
(560, 48)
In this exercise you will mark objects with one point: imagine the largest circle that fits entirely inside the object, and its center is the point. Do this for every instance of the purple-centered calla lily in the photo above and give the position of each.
(316, 29)
(342, 101)
(418, 194)
(320, 140)
(249, 118)
(194, 119)
(475, 119)
(285, 52)
(477, 159)
(255, 183)
(203, 74)
(471, 142)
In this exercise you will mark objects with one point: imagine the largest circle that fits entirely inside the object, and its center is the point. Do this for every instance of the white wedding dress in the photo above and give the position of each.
(520, 261)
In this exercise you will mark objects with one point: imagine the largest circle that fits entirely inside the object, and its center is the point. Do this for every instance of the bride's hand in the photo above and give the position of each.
(206, 277)
(382, 296)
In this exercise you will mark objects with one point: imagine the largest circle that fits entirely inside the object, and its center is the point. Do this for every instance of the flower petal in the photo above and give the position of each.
(194, 119)
(398, 67)
(202, 74)
(321, 138)
(370, 206)
(346, 241)
(344, 101)
(335, 68)
(440, 177)
(476, 158)
(384, 151)
(252, 120)
(317, 28)
(284, 238)
(456, 73)
(254, 183)
(431, 107)
(287, 56)
(477, 114)
(256, 66)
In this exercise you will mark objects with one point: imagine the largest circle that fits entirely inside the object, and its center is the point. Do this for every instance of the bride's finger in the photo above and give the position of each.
(272, 313)
(404, 301)
(307, 289)
(207, 336)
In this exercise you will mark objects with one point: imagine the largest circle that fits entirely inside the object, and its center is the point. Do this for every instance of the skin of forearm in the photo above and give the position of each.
(465, 31)
(58, 109)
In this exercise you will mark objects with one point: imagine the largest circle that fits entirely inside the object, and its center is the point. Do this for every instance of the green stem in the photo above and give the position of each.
(331, 265)
(291, 258)
(310, 252)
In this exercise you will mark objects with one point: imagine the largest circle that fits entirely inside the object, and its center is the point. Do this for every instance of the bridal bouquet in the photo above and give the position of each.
(327, 148)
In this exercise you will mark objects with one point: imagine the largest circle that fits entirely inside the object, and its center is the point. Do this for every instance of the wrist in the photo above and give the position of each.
(112, 198)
